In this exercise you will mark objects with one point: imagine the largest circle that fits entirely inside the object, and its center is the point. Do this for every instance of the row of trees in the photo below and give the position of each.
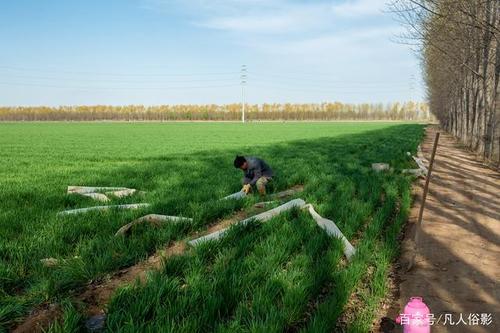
(460, 49)
(229, 112)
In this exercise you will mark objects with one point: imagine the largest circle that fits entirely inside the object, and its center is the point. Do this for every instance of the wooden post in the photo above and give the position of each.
(426, 189)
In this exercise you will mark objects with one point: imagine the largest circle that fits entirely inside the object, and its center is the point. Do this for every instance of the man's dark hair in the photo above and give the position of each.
(238, 161)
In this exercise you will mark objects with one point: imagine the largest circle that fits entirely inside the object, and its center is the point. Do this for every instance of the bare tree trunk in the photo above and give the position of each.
(460, 52)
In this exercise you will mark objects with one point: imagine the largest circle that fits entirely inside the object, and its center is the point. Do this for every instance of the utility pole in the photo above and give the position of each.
(243, 83)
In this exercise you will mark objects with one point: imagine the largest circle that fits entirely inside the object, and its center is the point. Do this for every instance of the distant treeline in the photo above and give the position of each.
(228, 112)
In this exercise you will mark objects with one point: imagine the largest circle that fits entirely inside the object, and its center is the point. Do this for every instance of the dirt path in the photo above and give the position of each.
(456, 268)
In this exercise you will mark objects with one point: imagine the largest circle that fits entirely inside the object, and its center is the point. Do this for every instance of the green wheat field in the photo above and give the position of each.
(282, 275)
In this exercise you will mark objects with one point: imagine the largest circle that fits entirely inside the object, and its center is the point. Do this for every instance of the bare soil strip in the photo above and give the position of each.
(456, 268)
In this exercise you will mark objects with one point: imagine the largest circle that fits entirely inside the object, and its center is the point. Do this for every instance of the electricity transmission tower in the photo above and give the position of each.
(243, 83)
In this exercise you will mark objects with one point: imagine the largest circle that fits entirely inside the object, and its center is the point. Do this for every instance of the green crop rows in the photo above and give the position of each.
(283, 275)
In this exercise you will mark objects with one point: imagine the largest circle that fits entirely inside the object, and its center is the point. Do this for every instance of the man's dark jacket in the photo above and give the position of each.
(256, 168)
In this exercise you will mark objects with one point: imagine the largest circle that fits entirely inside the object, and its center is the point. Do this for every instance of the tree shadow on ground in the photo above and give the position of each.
(459, 244)
(336, 173)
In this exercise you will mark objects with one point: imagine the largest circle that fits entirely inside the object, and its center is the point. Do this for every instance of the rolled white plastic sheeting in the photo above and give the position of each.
(380, 167)
(262, 217)
(280, 195)
(91, 189)
(420, 164)
(329, 226)
(95, 196)
(332, 230)
(88, 209)
(417, 172)
(151, 218)
(420, 154)
(420, 172)
(93, 192)
(50, 262)
(237, 195)
(122, 193)
(422, 168)
(53, 262)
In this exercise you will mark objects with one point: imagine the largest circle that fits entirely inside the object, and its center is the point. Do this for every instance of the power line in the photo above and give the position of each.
(114, 88)
(300, 85)
(298, 77)
(328, 89)
(318, 84)
(114, 74)
(317, 77)
(52, 78)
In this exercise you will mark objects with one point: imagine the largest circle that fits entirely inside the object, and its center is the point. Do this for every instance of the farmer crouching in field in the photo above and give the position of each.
(256, 172)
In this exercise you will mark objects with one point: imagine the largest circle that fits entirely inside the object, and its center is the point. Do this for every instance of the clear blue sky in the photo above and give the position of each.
(67, 52)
